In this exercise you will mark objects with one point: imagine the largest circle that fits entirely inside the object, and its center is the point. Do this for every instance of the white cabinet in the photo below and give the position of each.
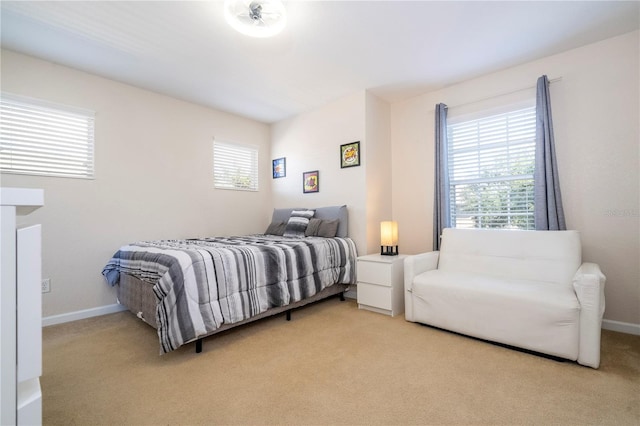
(20, 310)
(381, 283)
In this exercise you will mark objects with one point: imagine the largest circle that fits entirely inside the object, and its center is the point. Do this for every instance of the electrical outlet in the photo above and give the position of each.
(46, 285)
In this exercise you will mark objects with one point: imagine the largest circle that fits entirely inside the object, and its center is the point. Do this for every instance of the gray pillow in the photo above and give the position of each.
(312, 228)
(328, 228)
(322, 228)
(275, 228)
(297, 223)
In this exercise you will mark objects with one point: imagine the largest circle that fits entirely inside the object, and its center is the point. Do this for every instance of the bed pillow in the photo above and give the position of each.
(275, 228)
(328, 228)
(322, 228)
(312, 228)
(297, 223)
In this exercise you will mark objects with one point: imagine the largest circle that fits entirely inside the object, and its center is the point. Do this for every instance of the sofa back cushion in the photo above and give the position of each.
(550, 256)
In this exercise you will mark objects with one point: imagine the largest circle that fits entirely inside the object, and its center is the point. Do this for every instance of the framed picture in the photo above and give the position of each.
(350, 154)
(310, 182)
(279, 167)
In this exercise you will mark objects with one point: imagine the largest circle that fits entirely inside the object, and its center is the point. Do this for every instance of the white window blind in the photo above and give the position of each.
(491, 163)
(235, 166)
(42, 138)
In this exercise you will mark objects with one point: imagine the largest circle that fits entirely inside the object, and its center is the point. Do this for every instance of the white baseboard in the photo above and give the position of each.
(622, 327)
(85, 313)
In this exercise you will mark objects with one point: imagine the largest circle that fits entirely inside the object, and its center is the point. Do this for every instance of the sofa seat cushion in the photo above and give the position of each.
(534, 315)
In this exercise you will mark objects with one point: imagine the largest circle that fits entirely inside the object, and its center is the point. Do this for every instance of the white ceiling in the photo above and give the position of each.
(329, 49)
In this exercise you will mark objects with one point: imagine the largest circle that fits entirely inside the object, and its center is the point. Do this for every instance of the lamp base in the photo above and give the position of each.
(388, 250)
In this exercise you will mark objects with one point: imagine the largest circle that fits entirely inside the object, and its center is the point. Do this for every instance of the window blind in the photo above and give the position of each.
(41, 138)
(491, 164)
(235, 166)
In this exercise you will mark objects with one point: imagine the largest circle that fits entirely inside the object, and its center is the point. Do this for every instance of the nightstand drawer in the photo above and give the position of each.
(374, 273)
(374, 295)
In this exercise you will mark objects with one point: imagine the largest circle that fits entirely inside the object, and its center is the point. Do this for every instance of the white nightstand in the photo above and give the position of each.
(381, 283)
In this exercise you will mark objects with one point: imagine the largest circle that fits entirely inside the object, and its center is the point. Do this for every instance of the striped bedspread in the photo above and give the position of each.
(204, 283)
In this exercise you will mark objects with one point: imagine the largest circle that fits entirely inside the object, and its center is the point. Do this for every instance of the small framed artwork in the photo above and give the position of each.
(310, 182)
(350, 154)
(279, 167)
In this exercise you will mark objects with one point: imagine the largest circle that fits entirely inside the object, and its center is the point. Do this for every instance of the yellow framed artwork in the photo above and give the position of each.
(350, 154)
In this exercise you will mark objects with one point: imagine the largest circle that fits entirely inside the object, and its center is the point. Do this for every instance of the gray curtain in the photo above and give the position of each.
(549, 214)
(441, 216)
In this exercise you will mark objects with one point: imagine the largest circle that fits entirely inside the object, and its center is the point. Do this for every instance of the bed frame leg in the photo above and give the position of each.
(289, 315)
(198, 346)
(342, 297)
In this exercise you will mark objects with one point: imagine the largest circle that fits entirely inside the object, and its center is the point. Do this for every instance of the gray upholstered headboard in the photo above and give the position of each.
(325, 213)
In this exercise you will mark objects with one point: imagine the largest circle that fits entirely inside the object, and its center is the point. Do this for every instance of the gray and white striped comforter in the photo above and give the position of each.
(202, 284)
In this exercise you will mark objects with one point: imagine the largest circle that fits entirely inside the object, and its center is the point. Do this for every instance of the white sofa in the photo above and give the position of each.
(527, 289)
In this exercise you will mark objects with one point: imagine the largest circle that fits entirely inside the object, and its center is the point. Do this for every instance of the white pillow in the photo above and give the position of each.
(297, 223)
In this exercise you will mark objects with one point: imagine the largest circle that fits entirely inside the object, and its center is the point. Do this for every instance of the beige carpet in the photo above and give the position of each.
(332, 364)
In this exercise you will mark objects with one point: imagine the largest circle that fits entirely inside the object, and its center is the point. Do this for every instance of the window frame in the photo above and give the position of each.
(43, 138)
(226, 155)
(509, 154)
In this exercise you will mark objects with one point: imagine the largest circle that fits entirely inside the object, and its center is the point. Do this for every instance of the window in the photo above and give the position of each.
(491, 164)
(235, 166)
(41, 138)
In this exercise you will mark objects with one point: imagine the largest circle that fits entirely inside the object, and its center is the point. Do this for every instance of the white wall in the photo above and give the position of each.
(596, 117)
(378, 170)
(311, 141)
(154, 178)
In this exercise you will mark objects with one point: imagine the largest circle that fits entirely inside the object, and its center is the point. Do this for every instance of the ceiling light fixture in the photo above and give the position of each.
(256, 18)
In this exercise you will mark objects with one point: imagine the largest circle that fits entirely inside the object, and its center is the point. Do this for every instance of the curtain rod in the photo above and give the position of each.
(553, 80)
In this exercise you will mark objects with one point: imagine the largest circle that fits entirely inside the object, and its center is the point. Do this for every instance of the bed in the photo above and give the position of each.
(193, 288)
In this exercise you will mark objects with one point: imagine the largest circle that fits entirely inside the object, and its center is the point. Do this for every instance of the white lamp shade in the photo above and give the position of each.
(388, 233)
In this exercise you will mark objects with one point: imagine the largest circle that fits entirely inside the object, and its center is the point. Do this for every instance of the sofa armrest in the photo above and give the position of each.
(415, 265)
(588, 283)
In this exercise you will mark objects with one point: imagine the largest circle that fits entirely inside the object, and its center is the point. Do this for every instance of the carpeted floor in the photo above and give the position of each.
(332, 364)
